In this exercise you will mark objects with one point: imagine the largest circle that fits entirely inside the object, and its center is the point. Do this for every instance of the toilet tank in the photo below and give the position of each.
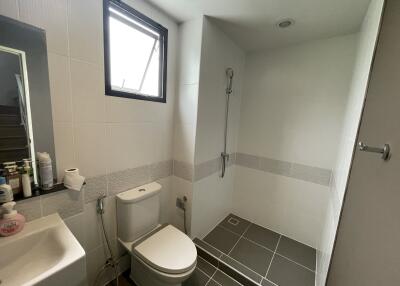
(138, 211)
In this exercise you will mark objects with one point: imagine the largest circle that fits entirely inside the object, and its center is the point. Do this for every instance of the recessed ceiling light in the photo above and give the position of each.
(285, 23)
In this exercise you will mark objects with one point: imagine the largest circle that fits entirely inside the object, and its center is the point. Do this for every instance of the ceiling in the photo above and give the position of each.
(252, 23)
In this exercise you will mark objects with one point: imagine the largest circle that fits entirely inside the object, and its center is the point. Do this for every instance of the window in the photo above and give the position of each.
(135, 53)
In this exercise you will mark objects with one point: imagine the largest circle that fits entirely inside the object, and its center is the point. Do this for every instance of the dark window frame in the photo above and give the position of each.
(149, 23)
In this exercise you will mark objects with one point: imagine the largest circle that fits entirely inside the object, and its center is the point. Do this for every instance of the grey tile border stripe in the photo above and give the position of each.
(183, 170)
(206, 169)
(69, 203)
(94, 188)
(194, 173)
(302, 172)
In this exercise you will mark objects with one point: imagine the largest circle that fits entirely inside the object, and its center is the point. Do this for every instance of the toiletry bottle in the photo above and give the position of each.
(12, 222)
(45, 170)
(26, 182)
(13, 177)
(28, 162)
(6, 194)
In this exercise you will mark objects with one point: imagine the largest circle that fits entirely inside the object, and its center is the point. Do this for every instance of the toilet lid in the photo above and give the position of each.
(168, 250)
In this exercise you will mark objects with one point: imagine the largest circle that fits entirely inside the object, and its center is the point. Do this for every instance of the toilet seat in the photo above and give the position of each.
(168, 250)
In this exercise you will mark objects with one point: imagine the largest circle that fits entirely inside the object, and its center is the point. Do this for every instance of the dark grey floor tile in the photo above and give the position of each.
(206, 267)
(213, 283)
(224, 279)
(287, 273)
(207, 247)
(222, 239)
(265, 282)
(236, 224)
(197, 278)
(263, 236)
(241, 269)
(252, 255)
(296, 251)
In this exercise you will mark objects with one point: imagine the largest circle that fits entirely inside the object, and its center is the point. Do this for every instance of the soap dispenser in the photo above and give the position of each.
(12, 222)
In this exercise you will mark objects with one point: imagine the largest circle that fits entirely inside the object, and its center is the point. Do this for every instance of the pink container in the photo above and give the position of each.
(12, 222)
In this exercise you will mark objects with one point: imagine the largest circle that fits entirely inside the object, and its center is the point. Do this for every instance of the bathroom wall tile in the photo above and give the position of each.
(161, 170)
(9, 8)
(95, 259)
(128, 179)
(76, 225)
(110, 216)
(90, 149)
(166, 193)
(50, 15)
(60, 87)
(94, 188)
(311, 174)
(130, 145)
(190, 47)
(275, 166)
(87, 89)
(163, 136)
(187, 103)
(93, 232)
(64, 145)
(184, 142)
(183, 170)
(86, 33)
(30, 208)
(205, 169)
(247, 160)
(121, 252)
(66, 203)
(181, 187)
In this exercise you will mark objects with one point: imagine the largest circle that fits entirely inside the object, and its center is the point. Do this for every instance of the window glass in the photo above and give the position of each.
(134, 54)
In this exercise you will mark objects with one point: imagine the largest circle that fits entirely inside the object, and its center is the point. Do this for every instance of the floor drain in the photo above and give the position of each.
(233, 221)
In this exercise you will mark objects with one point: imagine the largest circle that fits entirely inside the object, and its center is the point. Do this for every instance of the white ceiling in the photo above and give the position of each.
(251, 23)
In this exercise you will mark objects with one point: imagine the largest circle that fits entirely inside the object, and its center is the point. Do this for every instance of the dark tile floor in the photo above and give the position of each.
(204, 274)
(264, 256)
(267, 257)
(208, 275)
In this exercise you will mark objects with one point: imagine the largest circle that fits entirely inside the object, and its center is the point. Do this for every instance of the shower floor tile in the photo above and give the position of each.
(222, 239)
(262, 256)
(252, 255)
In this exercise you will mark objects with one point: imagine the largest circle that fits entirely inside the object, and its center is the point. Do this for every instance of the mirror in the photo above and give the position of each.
(26, 123)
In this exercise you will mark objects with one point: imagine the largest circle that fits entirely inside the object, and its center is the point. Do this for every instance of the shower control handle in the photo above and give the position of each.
(385, 150)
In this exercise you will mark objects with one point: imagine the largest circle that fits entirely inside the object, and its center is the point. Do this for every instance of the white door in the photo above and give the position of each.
(367, 249)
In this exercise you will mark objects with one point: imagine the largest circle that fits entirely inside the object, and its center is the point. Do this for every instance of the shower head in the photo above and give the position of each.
(229, 74)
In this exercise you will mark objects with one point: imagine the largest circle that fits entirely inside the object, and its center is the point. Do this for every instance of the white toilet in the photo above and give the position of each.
(161, 255)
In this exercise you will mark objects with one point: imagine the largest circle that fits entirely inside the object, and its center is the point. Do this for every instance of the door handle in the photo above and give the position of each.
(385, 150)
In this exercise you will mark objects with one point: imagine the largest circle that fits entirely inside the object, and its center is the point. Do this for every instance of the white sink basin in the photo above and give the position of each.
(44, 253)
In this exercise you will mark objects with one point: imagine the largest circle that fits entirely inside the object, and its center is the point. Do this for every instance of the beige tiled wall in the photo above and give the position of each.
(116, 143)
